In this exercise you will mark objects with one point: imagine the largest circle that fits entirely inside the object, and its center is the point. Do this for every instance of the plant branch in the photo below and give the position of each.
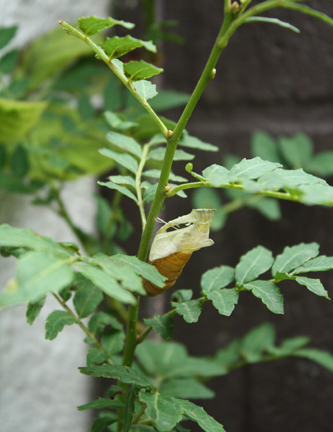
(118, 72)
(138, 184)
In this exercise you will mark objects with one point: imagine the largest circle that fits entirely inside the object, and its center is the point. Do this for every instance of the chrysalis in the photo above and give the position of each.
(170, 251)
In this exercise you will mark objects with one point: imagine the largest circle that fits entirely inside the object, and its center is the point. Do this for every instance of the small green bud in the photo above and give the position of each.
(189, 167)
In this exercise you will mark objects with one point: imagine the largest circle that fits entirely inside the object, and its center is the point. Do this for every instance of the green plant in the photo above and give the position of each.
(154, 381)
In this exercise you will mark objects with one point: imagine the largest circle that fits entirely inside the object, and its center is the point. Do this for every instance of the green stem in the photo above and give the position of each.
(174, 137)
(118, 72)
(138, 184)
(83, 327)
(130, 342)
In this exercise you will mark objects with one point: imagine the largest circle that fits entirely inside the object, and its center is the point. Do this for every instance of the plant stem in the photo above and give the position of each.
(138, 184)
(174, 137)
(83, 327)
(118, 72)
(130, 342)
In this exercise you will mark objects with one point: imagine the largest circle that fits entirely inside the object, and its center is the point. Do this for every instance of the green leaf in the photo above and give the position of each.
(224, 300)
(147, 271)
(123, 180)
(169, 99)
(308, 11)
(268, 207)
(125, 143)
(321, 263)
(19, 163)
(55, 323)
(112, 341)
(121, 271)
(163, 411)
(101, 403)
(96, 356)
(264, 146)
(254, 263)
(317, 194)
(157, 173)
(130, 407)
(140, 70)
(149, 193)
(297, 150)
(289, 346)
(230, 355)
(295, 256)
(253, 168)
(163, 325)
(86, 299)
(159, 154)
(100, 424)
(217, 175)
(118, 46)
(100, 320)
(257, 342)
(38, 274)
(121, 189)
(186, 389)
(33, 310)
(199, 415)
(182, 295)
(272, 21)
(107, 284)
(18, 117)
(216, 278)
(313, 285)
(6, 35)
(3, 156)
(9, 61)
(92, 25)
(323, 358)
(269, 293)
(126, 375)
(117, 121)
(146, 89)
(85, 108)
(122, 159)
(193, 142)
(321, 164)
(190, 310)
(206, 198)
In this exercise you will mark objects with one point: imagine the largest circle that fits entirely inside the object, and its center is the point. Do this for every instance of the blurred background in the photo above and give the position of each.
(268, 79)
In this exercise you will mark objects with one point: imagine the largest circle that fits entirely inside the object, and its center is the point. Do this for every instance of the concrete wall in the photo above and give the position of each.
(40, 385)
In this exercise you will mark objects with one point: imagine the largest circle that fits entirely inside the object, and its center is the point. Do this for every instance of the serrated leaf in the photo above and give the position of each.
(199, 415)
(86, 299)
(308, 11)
(323, 358)
(163, 411)
(272, 21)
(190, 310)
(186, 389)
(92, 25)
(33, 310)
(125, 143)
(253, 168)
(28, 239)
(130, 407)
(321, 263)
(101, 403)
(182, 295)
(269, 293)
(146, 89)
(217, 175)
(297, 149)
(193, 142)
(255, 343)
(163, 325)
(121, 189)
(100, 320)
(293, 257)
(254, 263)
(112, 341)
(6, 35)
(55, 323)
(126, 375)
(224, 300)
(123, 159)
(38, 274)
(107, 284)
(313, 285)
(143, 269)
(118, 46)
(140, 70)
(216, 278)
(96, 356)
(264, 146)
